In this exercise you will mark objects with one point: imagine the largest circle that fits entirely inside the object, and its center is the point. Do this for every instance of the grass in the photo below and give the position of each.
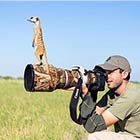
(36, 116)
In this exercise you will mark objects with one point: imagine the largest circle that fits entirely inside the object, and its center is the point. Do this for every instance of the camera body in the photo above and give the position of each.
(97, 84)
(94, 79)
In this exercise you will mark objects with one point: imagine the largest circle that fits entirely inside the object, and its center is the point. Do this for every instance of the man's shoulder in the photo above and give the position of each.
(132, 89)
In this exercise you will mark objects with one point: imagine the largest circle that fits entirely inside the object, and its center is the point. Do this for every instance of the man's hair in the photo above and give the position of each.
(128, 76)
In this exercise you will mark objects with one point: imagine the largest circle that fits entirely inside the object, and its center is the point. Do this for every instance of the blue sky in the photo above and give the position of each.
(74, 33)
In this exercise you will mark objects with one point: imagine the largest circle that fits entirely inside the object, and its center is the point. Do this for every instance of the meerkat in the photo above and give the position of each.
(38, 42)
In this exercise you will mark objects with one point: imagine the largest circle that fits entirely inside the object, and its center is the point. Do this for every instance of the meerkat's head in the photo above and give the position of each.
(33, 19)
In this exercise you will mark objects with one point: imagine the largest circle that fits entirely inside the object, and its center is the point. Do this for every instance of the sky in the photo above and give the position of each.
(75, 33)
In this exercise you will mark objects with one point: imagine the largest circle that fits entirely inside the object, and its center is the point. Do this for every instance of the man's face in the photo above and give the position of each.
(114, 78)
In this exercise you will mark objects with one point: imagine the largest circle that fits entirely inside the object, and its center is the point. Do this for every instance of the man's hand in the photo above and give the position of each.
(84, 89)
(83, 75)
(82, 72)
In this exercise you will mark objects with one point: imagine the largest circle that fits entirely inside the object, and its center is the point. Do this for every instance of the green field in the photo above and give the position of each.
(35, 116)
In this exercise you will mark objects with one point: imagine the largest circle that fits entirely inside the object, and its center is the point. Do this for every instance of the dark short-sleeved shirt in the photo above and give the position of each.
(126, 107)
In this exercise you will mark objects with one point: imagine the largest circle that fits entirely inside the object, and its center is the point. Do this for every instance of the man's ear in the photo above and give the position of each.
(125, 74)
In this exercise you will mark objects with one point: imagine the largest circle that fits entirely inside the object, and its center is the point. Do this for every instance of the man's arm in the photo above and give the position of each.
(99, 119)
(108, 117)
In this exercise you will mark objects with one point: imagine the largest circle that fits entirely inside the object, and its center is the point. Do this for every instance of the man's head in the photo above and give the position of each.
(117, 70)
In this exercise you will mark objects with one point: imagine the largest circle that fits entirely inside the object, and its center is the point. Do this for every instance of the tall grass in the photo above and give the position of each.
(35, 116)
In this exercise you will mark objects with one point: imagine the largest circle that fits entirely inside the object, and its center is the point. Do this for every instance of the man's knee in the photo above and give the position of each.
(107, 135)
(93, 136)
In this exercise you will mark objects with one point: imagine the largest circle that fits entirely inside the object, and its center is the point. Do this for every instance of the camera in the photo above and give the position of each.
(36, 79)
(94, 79)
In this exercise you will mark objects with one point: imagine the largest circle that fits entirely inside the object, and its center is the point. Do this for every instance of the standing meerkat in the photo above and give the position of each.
(38, 42)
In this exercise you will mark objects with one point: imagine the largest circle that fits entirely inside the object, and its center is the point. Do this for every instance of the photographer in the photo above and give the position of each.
(120, 106)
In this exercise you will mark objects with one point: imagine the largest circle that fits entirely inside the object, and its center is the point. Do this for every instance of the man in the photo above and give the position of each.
(119, 106)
